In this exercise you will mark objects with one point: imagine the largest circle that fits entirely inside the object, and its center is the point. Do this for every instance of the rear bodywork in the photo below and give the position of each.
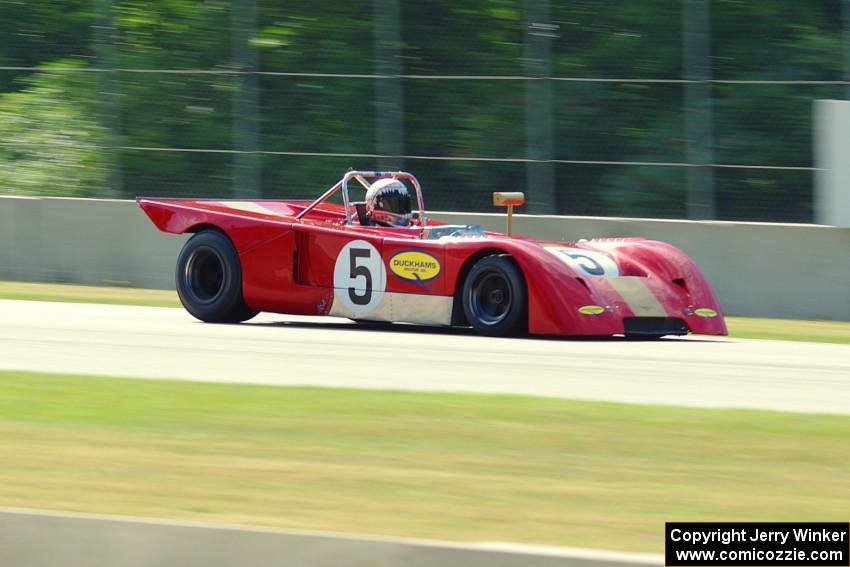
(323, 264)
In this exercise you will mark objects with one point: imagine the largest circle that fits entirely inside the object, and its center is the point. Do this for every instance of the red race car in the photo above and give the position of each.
(381, 260)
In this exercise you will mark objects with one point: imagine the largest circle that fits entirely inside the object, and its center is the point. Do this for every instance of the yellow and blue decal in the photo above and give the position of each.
(591, 310)
(705, 312)
(415, 266)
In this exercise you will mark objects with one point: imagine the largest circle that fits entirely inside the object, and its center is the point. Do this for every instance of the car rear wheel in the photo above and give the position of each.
(494, 297)
(209, 279)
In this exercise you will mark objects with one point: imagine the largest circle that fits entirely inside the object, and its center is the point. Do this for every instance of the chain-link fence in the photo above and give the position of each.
(691, 108)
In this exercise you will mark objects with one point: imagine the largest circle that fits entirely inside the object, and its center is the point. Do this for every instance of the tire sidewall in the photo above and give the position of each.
(227, 305)
(515, 321)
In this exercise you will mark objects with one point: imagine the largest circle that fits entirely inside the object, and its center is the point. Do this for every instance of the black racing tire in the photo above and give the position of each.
(209, 279)
(494, 297)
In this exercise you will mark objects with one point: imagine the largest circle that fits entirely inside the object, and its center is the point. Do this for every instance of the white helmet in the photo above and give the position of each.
(388, 203)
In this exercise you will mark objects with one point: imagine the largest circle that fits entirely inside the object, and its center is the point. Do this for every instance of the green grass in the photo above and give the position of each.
(446, 466)
(88, 294)
(746, 328)
(789, 330)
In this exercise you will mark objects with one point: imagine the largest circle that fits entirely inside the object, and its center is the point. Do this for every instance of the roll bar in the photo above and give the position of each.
(362, 177)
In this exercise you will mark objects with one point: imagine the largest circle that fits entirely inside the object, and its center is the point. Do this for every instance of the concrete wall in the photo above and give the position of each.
(761, 270)
(832, 159)
(89, 241)
(42, 539)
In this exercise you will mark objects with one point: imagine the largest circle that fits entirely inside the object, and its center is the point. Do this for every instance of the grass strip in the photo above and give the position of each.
(789, 330)
(88, 294)
(445, 466)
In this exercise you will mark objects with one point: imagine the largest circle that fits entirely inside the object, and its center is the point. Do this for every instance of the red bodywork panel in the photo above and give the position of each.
(582, 288)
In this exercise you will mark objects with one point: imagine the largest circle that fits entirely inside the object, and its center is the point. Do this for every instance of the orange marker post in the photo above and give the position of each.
(509, 200)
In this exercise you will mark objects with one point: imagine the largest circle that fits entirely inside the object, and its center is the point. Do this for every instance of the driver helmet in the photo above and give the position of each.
(388, 203)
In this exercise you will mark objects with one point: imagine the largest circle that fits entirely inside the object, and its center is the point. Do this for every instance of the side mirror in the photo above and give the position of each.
(509, 200)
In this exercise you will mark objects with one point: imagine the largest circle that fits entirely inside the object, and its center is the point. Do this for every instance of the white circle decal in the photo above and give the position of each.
(359, 277)
(586, 262)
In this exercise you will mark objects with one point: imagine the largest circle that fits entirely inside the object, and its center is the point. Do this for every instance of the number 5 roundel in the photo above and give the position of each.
(359, 277)
(587, 262)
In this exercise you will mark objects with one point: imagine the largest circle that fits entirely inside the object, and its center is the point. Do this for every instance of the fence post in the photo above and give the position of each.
(245, 123)
(108, 92)
(696, 37)
(540, 182)
(389, 88)
(845, 38)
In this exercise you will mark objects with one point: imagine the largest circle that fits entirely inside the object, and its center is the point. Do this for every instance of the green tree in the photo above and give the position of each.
(42, 113)
(50, 140)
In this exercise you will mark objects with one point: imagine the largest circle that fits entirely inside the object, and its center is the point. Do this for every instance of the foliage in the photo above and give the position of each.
(49, 138)
(766, 124)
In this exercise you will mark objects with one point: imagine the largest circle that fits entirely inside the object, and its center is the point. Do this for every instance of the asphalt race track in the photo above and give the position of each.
(149, 342)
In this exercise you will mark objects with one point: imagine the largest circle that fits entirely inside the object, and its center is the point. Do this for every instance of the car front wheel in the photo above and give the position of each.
(494, 297)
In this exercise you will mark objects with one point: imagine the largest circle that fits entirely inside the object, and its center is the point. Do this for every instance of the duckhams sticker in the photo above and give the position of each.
(415, 266)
